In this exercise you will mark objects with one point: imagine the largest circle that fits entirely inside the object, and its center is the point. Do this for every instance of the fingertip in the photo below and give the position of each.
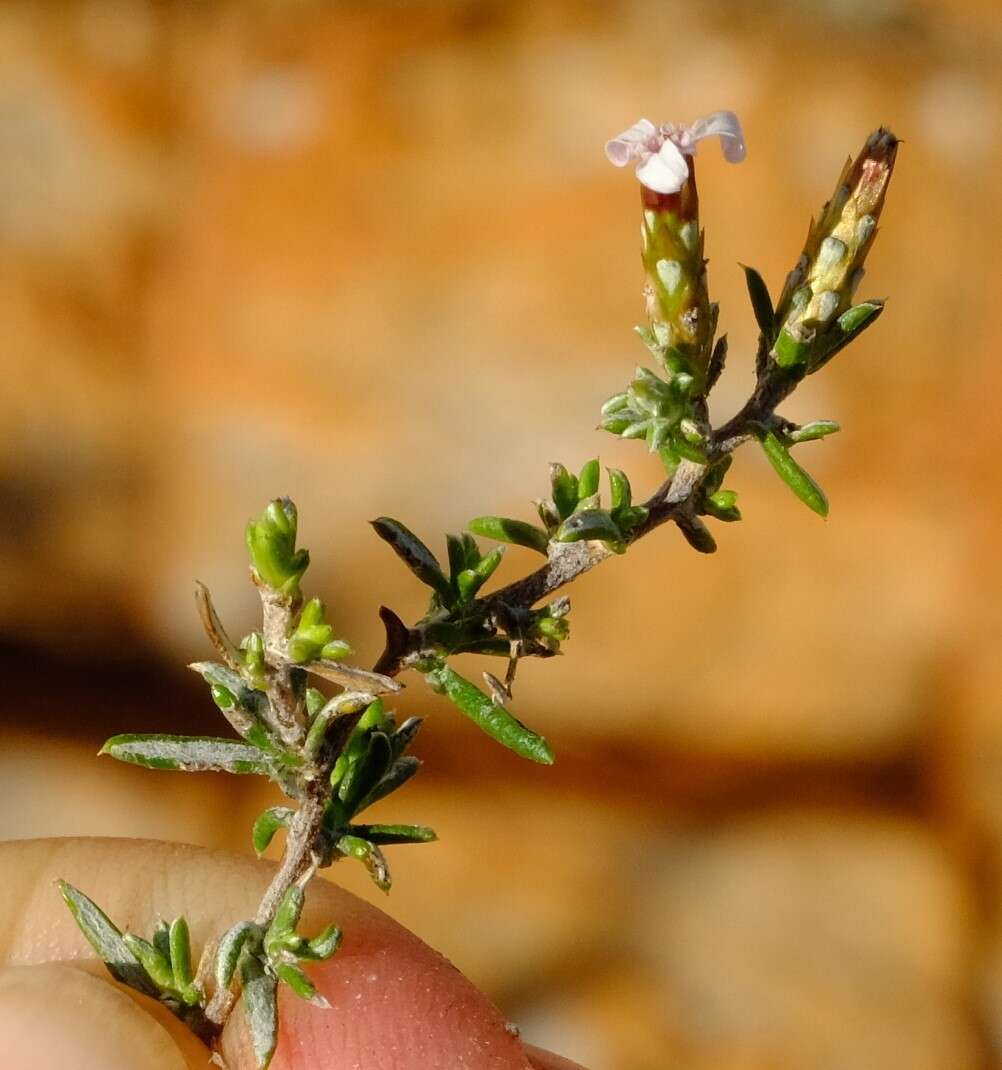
(54, 1017)
(393, 1002)
(546, 1060)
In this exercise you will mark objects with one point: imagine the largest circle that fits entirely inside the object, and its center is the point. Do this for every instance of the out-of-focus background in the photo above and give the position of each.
(370, 255)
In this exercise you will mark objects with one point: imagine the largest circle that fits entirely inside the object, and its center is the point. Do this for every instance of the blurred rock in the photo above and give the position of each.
(814, 941)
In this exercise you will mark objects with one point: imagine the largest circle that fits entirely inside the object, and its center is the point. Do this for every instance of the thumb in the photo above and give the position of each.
(395, 1002)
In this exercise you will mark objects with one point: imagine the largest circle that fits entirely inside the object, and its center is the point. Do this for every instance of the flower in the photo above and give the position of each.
(662, 150)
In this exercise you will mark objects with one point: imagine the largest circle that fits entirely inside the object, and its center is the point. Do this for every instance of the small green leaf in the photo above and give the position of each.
(793, 346)
(260, 1008)
(294, 977)
(457, 555)
(180, 953)
(414, 554)
(289, 911)
(857, 318)
(370, 856)
(495, 720)
(565, 490)
(161, 939)
(152, 960)
(621, 496)
(273, 819)
(793, 475)
(192, 754)
(487, 565)
(590, 524)
(514, 531)
(230, 947)
(106, 939)
(588, 479)
(814, 430)
(723, 505)
(323, 946)
(315, 701)
(390, 834)
(847, 328)
(765, 316)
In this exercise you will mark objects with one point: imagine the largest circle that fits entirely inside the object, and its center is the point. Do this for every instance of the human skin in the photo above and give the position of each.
(396, 1003)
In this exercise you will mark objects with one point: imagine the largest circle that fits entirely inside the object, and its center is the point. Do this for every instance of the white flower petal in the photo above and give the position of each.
(631, 143)
(666, 171)
(726, 126)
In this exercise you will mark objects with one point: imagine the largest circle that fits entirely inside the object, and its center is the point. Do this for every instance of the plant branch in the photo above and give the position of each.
(673, 500)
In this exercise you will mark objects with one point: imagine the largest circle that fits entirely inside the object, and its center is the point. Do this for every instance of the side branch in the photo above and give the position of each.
(674, 499)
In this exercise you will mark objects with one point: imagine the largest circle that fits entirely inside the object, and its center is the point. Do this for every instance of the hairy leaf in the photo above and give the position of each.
(106, 939)
(505, 529)
(413, 552)
(273, 819)
(190, 754)
(260, 1008)
(793, 475)
(495, 720)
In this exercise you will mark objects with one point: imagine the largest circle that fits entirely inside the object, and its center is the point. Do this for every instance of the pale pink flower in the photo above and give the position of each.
(661, 151)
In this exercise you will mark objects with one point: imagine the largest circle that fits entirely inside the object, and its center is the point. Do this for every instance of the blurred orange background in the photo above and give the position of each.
(370, 255)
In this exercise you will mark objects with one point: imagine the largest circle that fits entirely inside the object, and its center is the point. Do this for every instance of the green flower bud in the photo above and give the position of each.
(271, 540)
(819, 291)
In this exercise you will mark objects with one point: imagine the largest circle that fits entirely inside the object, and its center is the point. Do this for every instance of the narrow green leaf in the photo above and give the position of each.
(294, 977)
(398, 774)
(457, 555)
(765, 316)
(405, 735)
(161, 939)
(793, 475)
(588, 479)
(514, 531)
(289, 911)
(180, 953)
(495, 720)
(191, 754)
(364, 774)
(487, 565)
(230, 946)
(621, 496)
(390, 834)
(467, 584)
(260, 1008)
(151, 959)
(106, 939)
(814, 430)
(847, 328)
(565, 490)
(323, 946)
(273, 819)
(413, 552)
